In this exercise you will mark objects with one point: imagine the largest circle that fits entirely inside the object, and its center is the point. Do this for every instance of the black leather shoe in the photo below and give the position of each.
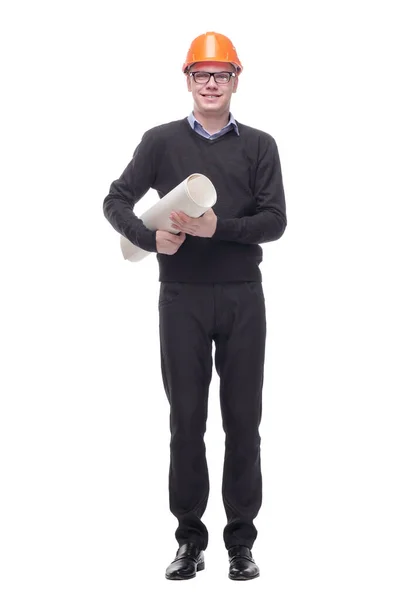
(242, 565)
(188, 560)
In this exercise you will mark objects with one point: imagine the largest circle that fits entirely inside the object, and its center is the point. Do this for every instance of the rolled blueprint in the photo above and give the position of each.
(194, 196)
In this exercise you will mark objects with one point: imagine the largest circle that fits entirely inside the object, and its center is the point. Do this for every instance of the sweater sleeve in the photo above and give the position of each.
(269, 221)
(125, 192)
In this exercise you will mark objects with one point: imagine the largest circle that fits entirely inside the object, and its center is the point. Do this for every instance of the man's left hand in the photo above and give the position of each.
(203, 226)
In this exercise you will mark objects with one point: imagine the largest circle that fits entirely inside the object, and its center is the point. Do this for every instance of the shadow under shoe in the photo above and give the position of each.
(188, 560)
(242, 566)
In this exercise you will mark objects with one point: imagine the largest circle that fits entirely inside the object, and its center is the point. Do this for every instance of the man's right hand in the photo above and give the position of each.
(169, 243)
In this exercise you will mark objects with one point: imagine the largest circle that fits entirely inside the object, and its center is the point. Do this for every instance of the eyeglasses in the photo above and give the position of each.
(222, 77)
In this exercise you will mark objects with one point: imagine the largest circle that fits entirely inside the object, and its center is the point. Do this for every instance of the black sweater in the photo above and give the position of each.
(246, 173)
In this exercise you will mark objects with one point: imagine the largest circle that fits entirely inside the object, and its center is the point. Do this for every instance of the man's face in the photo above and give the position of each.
(211, 97)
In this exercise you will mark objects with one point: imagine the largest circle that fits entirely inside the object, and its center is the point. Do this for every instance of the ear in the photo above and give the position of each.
(189, 83)
(235, 84)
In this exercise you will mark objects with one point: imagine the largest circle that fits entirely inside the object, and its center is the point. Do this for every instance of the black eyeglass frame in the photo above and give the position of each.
(231, 74)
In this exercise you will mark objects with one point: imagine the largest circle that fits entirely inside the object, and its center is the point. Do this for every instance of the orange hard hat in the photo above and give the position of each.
(213, 47)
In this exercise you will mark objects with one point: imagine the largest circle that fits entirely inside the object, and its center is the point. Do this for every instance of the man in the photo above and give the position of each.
(210, 291)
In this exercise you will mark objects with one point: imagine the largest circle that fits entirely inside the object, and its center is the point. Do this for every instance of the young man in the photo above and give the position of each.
(210, 291)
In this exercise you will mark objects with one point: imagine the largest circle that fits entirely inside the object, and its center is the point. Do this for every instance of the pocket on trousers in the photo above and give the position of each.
(169, 292)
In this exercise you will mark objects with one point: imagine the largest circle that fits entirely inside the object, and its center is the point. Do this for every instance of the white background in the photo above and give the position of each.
(84, 418)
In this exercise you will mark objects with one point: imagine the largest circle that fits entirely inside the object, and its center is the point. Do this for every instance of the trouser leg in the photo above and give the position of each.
(239, 360)
(185, 321)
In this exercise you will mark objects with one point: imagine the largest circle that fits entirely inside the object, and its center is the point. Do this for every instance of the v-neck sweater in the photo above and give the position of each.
(246, 172)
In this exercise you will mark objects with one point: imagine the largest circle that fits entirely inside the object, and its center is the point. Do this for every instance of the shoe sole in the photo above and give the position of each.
(244, 578)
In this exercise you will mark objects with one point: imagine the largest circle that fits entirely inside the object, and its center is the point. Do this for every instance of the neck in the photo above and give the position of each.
(212, 123)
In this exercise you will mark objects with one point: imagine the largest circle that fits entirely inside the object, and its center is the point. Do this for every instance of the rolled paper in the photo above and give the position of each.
(193, 196)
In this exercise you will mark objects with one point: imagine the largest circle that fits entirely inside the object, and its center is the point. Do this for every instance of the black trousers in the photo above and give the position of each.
(191, 317)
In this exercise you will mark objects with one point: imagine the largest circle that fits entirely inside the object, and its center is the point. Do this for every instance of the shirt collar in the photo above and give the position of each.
(193, 120)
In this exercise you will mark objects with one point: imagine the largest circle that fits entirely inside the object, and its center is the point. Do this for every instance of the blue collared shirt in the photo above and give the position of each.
(196, 126)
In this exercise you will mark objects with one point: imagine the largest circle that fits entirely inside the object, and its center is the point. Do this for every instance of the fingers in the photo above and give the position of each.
(179, 218)
(177, 239)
